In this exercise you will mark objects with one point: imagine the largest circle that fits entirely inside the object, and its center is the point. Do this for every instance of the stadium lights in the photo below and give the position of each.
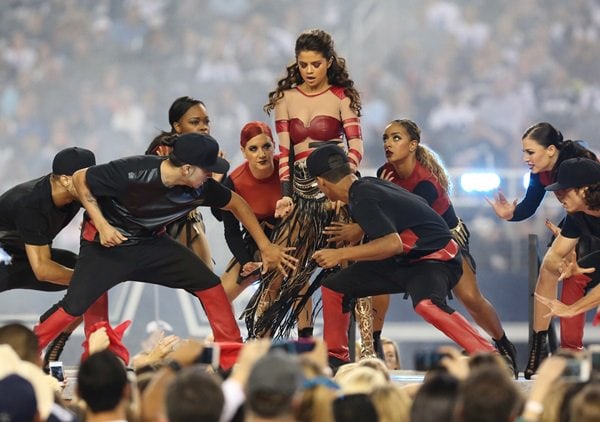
(479, 181)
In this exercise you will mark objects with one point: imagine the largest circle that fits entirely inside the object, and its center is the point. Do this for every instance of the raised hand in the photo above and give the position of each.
(283, 207)
(501, 206)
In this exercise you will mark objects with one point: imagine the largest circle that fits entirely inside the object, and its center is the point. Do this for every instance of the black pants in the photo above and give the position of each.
(421, 280)
(19, 275)
(160, 260)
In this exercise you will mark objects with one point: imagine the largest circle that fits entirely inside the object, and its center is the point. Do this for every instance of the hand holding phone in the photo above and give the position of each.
(56, 370)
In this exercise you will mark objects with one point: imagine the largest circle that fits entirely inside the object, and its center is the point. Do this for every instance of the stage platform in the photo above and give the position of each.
(416, 377)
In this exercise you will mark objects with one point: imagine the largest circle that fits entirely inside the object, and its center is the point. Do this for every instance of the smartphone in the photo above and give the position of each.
(56, 370)
(577, 370)
(210, 355)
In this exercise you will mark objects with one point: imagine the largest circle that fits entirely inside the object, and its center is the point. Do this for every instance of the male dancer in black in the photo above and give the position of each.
(128, 203)
(409, 249)
(31, 216)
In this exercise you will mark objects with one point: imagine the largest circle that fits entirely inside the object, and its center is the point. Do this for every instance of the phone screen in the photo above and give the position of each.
(56, 370)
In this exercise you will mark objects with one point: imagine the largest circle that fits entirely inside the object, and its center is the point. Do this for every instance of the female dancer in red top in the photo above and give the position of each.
(315, 103)
(257, 181)
(414, 167)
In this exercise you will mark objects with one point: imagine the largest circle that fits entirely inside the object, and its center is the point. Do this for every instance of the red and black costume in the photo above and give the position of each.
(303, 228)
(428, 267)
(134, 200)
(423, 183)
(262, 196)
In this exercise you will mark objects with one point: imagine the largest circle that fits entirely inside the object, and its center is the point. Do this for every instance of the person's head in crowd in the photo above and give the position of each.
(377, 364)
(318, 392)
(391, 353)
(18, 402)
(187, 115)
(354, 407)
(102, 383)
(195, 394)
(258, 148)
(578, 182)
(274, 386)
(479, 360)
(392, 403)
(435, 399)
(23, 341)
(585, 405)
(488, 395)
(544, 148)
(315, 50)
(43, 385)
(360, 380)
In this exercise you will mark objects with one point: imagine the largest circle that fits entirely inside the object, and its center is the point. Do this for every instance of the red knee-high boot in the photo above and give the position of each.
(220, 314)
(455, 326)
(54, 322)
(571, 329)
(335, 325)
(98, 312)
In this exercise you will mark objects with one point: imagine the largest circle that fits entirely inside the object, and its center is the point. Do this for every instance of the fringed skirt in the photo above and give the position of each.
(275, 306)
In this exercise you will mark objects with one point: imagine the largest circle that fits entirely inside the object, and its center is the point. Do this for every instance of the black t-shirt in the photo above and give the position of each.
(580, 224)
(134, 199)
(381, 208)
(28, 215)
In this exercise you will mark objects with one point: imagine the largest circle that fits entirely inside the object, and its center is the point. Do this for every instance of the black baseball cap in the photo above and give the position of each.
(576, 173)
(69, 160)
(325, 158)
(199, 150)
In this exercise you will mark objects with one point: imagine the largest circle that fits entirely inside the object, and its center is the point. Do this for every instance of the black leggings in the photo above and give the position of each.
(160, 260)
(19, 275)
(421, 280)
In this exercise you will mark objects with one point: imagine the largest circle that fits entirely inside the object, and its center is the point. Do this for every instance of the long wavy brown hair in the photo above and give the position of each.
(337, 74)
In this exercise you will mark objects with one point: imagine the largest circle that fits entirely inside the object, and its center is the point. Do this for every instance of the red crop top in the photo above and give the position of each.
(320, 128)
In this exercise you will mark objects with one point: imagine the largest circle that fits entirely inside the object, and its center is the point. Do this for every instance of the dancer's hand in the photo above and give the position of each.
(276, 257)
(328, 258)
(343, 232)
(552, 227)
(569, 267)
(249, 268)
(387, 175)
(501, 206)
(283, 207)
(110, 236)
(557, 308)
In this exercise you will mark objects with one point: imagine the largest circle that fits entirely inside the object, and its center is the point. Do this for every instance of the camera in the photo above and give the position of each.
(294, 347)
(429, 359)
(210, 355)
(56, 370)
(577, 370)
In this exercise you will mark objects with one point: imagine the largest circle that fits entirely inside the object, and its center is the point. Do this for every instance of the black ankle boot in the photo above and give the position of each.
(509, 351)
(538, 352)
(55, 349)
